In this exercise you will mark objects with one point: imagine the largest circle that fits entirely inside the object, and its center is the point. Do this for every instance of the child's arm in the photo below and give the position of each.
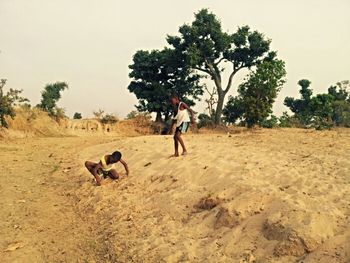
(172, 127)
(191, 111)
(125, 166)
(95, 173)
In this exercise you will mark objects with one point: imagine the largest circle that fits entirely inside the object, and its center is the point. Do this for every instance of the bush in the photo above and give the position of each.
(205, 120)
(109, 119)
(272, 122)
(7, 103)
(132, 115)
(77, 116)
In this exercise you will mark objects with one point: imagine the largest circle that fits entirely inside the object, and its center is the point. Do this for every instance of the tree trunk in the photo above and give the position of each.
(159, 117)
(219, 106)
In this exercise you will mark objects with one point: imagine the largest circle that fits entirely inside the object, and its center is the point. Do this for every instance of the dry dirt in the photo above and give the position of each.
(264, 196)
(38, 218)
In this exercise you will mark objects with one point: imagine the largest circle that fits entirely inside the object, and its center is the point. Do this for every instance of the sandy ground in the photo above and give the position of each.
(38, 218)
(263, 196)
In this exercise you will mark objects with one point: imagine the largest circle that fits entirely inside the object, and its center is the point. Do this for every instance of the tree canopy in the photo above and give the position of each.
(205, 46)
(257, 94)
(50, 96)
(157, 75)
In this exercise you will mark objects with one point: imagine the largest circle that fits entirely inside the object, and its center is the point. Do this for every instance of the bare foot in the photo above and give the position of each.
(174, 155)
(184, 153)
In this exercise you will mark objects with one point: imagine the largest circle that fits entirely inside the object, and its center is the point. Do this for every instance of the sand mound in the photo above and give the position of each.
(31, 122)
(34, 122)
(266, 196)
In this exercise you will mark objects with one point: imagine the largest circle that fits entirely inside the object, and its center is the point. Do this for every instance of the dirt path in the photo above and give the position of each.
(38, 221)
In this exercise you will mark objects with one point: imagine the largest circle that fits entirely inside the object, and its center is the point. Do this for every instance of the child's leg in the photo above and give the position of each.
(113, 174)
(176, 144)
(91, 166)
(184, 151)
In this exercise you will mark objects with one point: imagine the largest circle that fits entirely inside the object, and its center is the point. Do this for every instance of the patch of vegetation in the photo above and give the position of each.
(49, 98)
(77, 116)
(8, 101)
(321, 111)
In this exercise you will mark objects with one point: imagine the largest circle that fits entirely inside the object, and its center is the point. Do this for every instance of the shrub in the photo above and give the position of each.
(272, 122)
(205, 120)
(109, 119)
(77, 116)
(8, 101)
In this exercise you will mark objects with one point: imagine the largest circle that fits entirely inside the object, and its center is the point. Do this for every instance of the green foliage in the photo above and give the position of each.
(49, 98)
(159, 74)
(286, 121)
(323, 110)
(109, 119)
(8, 101)
(301, 107)
(341, 104)
(205, 46)
(77, 116)
(205, 120)
(271, 122)
(341, 113)
(233, 109)
(257, 94)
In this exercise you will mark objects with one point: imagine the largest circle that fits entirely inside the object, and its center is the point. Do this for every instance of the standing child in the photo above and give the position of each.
(105, 166)
(182, 121)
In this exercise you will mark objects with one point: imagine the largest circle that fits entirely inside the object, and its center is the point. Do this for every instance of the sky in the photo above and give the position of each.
(90, 43)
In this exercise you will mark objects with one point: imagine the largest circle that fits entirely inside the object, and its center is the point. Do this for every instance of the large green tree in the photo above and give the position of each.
(206, 47)
(158, 74)
(50, 96)
(8, 101)
(257, 94)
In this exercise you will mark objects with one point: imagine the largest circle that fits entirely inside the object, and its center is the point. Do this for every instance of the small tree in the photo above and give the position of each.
(98, 114)
(341, 103)
(211, 102)
(257, 93)
(8, 101)
(322, 108)
(301, 107)
(77, 116)
(50, 96)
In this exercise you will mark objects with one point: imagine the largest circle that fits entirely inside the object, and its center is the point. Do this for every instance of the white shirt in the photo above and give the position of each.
(181, 116)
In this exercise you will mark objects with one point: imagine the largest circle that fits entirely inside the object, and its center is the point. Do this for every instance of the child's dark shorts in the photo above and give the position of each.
(183, 127)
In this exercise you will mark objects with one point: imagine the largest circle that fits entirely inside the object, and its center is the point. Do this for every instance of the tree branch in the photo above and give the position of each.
(217, 63)
(235, 70)
(203, 70)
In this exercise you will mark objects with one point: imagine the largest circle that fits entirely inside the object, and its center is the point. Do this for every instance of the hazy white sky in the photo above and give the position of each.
(90, 43)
